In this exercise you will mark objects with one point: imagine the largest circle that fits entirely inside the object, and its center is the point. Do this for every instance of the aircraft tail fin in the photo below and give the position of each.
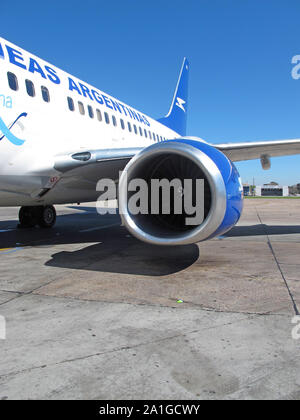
(177, 115)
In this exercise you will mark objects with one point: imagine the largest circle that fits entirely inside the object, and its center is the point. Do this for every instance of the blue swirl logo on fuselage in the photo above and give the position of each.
(8, 134)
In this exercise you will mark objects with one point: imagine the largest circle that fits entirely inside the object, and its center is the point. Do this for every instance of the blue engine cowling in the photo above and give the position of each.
(184, 158)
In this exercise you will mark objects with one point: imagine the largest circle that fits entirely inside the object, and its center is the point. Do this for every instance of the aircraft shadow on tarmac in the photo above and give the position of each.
(111, 248)
(261, 229)
(120, 254)
(128, 256)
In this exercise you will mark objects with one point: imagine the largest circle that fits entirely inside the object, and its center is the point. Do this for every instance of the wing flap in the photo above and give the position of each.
(256, 150)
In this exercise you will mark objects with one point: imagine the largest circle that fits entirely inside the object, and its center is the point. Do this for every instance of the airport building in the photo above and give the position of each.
(294, 189)
(272, 190)
(248, 190)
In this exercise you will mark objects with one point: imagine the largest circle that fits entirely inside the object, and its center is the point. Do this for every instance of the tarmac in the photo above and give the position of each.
(92, 313)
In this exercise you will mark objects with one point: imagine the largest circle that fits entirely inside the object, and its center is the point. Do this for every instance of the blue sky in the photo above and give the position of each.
(240, 53)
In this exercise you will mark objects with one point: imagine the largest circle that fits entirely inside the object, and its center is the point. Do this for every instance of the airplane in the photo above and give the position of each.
(59, 136)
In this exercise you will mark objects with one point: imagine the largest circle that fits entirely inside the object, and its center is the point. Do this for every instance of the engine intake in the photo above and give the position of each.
(182, 159)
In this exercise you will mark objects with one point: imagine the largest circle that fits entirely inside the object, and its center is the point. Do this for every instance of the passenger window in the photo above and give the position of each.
(99, 115)
(106, 116)
(150, 137)
(81, 108)
(122, 124)
(154, 136)
(90, 111)
(145, 131)
(135, 129)
(71, 104)
(45, 94)
(114, 120)
(30, 88)
(129, 127)
(12, 81)
(141, 131)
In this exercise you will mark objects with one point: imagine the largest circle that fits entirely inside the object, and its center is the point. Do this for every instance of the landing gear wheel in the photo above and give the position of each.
(46, 217)
(27, 217)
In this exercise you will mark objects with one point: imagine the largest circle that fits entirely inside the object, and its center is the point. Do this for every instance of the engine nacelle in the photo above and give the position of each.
(183, 159)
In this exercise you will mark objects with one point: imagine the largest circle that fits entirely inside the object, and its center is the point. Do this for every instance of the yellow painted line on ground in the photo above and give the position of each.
(9, 250)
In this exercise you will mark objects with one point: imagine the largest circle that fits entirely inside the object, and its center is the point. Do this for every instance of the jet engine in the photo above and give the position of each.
(196, 164)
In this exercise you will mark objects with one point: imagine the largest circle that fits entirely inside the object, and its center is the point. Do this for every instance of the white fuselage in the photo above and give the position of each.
(50, 129)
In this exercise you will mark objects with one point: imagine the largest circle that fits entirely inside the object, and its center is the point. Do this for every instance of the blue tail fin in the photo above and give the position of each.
(177, 116)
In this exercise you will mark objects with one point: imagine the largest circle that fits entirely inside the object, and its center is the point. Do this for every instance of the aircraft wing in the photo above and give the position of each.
(96, 164)
(257, 150)
(84, 169)
(64, 163)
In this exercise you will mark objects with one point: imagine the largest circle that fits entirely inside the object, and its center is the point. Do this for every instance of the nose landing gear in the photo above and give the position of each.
(30, 216)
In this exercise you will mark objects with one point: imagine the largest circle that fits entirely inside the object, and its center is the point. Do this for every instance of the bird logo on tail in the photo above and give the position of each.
(180, 102)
